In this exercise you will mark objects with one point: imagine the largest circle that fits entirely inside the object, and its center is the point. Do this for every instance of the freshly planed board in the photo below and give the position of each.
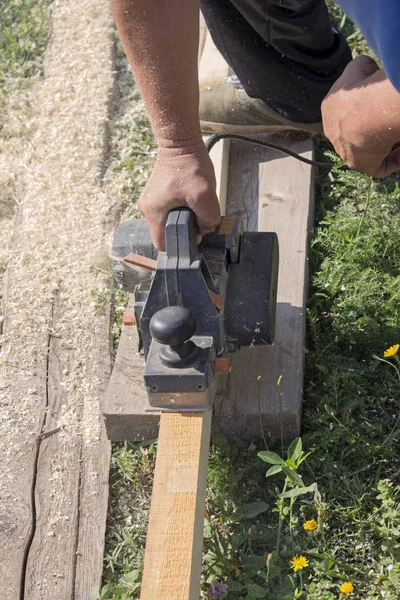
(174, 544)
(213, 69)
(55, 351)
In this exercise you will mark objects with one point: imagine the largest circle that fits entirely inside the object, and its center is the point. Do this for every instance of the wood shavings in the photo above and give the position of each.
(52, 364)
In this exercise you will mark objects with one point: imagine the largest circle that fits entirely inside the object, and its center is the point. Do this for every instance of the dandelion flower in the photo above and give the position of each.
(298, 563)
(311, 525)
(392, 351)
(347, 588)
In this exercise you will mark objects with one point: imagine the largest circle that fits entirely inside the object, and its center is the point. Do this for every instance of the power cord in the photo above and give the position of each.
(216, 137)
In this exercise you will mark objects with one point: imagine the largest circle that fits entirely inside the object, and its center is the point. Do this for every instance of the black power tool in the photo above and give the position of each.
(195, 304)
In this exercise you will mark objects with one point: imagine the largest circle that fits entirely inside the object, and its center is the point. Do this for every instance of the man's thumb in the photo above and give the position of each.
(390, 165)
(358, 70)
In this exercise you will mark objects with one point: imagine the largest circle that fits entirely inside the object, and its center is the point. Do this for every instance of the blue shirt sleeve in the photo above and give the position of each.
(379, 21)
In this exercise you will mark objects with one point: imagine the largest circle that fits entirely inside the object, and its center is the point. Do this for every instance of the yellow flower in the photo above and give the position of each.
(311, 525)
(347, 588)
(298, 563)
(392, 351)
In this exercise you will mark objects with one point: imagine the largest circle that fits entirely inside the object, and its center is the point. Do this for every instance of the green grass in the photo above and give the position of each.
(350, 462)
(24, 33)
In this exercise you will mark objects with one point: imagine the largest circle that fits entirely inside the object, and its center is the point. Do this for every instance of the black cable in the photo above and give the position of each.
(216, 137)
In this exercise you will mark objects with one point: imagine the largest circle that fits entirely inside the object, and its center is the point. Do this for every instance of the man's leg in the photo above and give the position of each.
(284, 52)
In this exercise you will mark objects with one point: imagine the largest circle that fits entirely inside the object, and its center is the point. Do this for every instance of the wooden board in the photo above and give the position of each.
(125, 413)
(272, 192)
(55, 351)
(174, 545)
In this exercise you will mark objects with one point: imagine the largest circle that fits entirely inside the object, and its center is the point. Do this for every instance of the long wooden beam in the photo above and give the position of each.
(175, 536)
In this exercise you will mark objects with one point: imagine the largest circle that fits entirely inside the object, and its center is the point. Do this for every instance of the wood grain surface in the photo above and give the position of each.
(175, 536)
(272, 192)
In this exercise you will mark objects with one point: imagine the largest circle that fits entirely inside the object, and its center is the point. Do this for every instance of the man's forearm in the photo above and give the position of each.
(161, 40)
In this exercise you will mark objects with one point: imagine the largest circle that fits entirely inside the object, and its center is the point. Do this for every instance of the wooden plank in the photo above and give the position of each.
(125, 413)
(220, 157)
(272, 192)
(174, 545)
(55, 359)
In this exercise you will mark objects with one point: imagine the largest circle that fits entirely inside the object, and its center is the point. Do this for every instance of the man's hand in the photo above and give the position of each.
(182, 176)
(361, 117)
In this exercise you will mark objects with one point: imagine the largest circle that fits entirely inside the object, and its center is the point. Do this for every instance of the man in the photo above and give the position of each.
(293, 71)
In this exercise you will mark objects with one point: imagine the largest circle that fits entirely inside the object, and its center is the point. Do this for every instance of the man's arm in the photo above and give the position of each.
(361, 117)
(161, 40)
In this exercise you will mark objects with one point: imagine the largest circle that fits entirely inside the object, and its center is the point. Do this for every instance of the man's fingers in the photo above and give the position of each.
(208, 216)
(208, 213)
(157, 230)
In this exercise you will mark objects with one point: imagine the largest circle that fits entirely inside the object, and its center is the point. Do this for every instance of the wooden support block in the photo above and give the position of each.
(213, 68)
(174, 545)
(126, 401)
(128, 319)
(272, 192)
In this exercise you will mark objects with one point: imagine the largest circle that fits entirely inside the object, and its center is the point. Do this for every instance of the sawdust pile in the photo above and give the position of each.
(59, 234)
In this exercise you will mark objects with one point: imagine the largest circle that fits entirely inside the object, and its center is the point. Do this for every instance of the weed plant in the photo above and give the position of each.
(24, 33)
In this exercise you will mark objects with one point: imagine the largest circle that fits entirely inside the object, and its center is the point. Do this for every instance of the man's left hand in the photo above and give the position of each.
(361, 117)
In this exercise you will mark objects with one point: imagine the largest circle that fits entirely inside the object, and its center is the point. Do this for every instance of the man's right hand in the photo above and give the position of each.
(182, 176)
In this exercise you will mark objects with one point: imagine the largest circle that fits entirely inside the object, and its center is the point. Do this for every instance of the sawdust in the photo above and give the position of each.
(62, 217)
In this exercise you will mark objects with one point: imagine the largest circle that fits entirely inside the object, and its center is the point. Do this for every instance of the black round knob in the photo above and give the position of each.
(173, 325)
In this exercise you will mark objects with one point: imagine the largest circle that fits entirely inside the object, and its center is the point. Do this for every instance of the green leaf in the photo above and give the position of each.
(291, 464)
(322, 368)
(220, 440)
(273, 470)
(293, 476)
(132, 576)
(271, 458)
(249, 511)
(299, 491)
(94, 590)
(235, 586)
(255, 591)
(295, 449)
